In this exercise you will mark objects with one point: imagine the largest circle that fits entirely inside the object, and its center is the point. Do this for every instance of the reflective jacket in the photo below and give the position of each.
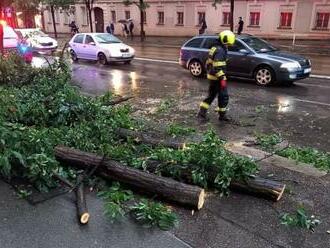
(216, 63)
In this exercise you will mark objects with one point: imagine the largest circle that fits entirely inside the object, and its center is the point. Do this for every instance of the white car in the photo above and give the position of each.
(101, 47)
(38, 40)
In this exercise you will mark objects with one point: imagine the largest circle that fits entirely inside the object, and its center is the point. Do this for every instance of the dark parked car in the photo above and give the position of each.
(250, 57)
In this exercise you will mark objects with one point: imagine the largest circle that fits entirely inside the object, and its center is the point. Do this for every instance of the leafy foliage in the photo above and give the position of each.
(268, 141)
(177, 130)
(300, 219)
(154, 214)
(207, 156)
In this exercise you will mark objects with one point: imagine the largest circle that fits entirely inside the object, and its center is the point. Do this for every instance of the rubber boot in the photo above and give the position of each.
(223, 116)
(202, 115)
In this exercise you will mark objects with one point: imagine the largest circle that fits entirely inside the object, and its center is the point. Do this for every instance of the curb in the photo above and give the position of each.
(274, 160)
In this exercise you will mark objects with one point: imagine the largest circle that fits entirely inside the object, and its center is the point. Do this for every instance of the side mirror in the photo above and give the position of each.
(244, 51)
(92, 43)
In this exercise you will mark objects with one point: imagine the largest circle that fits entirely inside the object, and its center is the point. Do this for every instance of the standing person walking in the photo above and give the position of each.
(216, 74)
(131, 27)
(112, 28)
(108, 29)
(240, 26)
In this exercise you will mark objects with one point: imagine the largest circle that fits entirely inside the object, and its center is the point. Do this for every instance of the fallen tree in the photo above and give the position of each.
(82, 211)
(166, 188)
(146, 138)
(253, 185)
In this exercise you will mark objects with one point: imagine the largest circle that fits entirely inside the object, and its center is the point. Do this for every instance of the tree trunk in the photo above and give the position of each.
(53, 17)
(119, 100)
(142, 13)
(146, 138)
(82, 210)
(166, 188)
(256, 186)
(232, 4)
(89, 9)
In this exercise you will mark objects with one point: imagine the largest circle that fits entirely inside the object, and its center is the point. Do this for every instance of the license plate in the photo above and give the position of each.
(308, 70)
(126, 55)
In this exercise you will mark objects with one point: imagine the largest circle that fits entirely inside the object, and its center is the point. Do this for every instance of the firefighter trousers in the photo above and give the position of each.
(216, 90)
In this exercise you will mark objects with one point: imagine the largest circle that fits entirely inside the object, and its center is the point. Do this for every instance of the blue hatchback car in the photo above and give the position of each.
(250, 57)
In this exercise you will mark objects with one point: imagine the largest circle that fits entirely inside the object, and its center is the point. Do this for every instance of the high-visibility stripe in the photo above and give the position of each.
(212, 51)
(220, 109)
(211, 77)
(219, 63)
(204, 105)
(220, 73)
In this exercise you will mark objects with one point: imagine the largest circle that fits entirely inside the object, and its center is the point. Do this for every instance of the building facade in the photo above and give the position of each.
(278, 18)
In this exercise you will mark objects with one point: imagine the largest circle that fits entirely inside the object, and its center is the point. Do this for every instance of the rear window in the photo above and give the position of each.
(210, 42)
(79, 38)
(194, 43)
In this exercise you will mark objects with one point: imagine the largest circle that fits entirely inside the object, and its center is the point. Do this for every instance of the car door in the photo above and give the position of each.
(238, 63)
(77, 45)
(89, 48)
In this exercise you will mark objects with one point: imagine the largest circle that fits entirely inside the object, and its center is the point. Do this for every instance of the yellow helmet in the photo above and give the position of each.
(227, 37)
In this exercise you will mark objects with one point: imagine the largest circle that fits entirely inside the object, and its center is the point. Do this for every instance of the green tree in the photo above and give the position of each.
(142, 5)
(56, 4)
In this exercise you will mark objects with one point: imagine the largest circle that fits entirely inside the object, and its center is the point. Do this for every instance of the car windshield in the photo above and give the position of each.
(106, 39)
(36, 33)
(258, 45)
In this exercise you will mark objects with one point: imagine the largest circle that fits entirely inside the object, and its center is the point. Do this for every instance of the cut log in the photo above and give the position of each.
(144, 138)
(256, 186)
(82, 210)
(166, 188)
(119, 100)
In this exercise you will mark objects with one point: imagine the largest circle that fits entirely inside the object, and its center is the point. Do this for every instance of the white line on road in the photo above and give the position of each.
(158, 60)
(319, 76)
(312, 102)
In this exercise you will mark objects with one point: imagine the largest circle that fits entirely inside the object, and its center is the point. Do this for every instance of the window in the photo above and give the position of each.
(79, 38)
(127, 14)
(113, 16)
(57, 16)
(236, 47)
(322, 20)
(286, 19)
(210, 42)
(254, 18)
(180, 18)
(194, 43)
(49, 16)
(226, 18)
(88, 39)
(66, 18)
(84, 15)
(201, 17)
(160, 18)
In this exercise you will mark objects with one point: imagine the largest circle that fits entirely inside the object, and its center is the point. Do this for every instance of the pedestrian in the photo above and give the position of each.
(203, 26)
(240, 26)
(131, 27)
(216, 74)
(108, 29)
(74, 28)
(112, 28)
(124, 29)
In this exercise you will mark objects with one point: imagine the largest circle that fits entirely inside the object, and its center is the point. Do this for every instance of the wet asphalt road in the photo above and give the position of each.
(301, 113)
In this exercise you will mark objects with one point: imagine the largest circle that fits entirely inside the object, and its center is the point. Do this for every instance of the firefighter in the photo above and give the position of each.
(216, 74)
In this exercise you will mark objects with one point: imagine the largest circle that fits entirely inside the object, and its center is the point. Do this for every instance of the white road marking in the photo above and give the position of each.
(312, 102)
(319, 76)
(158, 60)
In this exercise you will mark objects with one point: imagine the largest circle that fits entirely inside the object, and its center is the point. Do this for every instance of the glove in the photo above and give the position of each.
(223, 84)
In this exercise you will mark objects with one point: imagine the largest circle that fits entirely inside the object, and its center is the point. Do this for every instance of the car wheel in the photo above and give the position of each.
(264, 76)
(102, 59)
(196, 68)
(73, 55)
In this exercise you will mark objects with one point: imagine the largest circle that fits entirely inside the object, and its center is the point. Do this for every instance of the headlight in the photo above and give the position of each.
(291, 66)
